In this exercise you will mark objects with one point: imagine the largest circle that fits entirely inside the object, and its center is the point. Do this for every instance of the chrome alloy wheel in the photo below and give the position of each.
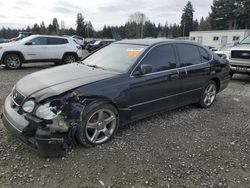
(70, 59)
(13, 62)
(210, 94)
(101, 126)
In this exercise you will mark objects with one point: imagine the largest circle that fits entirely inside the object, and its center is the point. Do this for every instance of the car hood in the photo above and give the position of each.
(9, 44)
(55, 81)
(241, 47)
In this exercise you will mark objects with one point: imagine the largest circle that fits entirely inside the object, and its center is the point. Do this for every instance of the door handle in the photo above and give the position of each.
(174, 76)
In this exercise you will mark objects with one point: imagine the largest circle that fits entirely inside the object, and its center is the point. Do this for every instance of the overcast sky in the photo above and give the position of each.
(21, 13)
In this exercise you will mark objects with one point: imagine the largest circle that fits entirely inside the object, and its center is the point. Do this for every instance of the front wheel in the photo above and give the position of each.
(99, 125)
(13, 61)
(208, 95)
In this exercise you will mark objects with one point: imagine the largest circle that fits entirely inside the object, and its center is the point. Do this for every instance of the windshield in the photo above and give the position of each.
(26, 39)
(226, 46)
(246, 40)
(117, 57)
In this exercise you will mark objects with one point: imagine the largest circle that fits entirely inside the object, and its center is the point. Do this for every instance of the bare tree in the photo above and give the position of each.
(139, 18)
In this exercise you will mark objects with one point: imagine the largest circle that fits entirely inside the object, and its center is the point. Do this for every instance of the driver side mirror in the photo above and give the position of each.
(28, 43)
(143, 69)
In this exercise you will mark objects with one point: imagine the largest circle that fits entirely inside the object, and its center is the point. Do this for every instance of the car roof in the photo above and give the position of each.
(146, 42)
(153, 42)
(63, 37)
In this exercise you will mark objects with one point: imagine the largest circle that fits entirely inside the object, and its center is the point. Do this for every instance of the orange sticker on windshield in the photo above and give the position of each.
(133, 54)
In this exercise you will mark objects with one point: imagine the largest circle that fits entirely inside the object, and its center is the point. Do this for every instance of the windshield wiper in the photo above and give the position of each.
(94, 66)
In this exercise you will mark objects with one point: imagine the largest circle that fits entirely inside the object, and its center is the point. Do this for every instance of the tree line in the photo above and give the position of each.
(225, 14)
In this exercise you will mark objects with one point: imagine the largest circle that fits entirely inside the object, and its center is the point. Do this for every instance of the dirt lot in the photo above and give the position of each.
(187, 147)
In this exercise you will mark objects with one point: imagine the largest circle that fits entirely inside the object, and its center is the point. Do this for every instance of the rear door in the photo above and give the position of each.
(158, 90)
(194, 71)
(57, 47)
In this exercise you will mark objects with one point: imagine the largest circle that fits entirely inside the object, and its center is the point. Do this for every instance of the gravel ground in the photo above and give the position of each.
(187, 147)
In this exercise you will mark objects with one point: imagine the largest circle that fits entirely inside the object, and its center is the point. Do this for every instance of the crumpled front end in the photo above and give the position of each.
(49, 127)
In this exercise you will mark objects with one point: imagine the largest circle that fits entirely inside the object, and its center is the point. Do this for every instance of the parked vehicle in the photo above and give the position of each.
(98, 44)
(121, 83)
(79, 40)
(221, 51)
(4, 41)
(239, 57)
(88, 42)
(21, 36)
(39, 48)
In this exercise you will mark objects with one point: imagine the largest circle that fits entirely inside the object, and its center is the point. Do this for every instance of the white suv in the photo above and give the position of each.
(39, 48)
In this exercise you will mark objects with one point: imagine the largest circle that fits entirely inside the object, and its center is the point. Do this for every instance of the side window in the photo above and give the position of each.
(161, 58)
(39, 41)
(56, 41)
(189, 54)
(205, 57)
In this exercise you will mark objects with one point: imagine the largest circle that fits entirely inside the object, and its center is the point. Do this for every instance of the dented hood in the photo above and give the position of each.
(54, 81)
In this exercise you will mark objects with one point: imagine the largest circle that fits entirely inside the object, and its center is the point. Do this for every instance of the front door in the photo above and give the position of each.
(158, 90)
(37, 50)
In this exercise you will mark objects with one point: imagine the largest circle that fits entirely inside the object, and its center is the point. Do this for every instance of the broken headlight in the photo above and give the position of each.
(28, 106)
(48, 111)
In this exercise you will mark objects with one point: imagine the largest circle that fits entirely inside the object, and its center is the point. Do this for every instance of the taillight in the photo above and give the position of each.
(78, 46)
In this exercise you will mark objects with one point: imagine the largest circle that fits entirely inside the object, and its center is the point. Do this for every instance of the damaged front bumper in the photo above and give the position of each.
(33, 131)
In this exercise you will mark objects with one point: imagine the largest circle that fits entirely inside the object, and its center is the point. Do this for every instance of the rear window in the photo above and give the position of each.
(188, 54)
(57, 41)
(205, 56)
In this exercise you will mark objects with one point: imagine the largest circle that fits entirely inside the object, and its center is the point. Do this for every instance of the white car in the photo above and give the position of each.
(39, 48)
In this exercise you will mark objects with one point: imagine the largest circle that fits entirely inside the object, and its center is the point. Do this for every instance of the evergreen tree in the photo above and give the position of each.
(205, 24)
(187, 19)
(224, 14)
(36, 29)
(43, 28)
(80, 25)
(243, 14)
(55, 25)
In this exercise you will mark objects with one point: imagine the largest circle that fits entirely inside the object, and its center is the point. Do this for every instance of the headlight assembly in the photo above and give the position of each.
(47, 111)
(29, 106)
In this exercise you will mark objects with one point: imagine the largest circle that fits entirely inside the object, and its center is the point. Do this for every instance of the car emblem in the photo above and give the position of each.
(14, 95)
(245, 54)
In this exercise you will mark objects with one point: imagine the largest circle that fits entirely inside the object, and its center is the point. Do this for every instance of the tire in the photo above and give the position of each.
(208, 95)
(99, 124)
(69, 58)
(13, 62)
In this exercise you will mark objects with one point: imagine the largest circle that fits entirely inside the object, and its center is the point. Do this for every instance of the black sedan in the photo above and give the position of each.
(123, 82)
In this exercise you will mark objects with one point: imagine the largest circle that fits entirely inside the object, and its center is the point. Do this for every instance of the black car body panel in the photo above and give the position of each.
(135, 97)
(55, 81)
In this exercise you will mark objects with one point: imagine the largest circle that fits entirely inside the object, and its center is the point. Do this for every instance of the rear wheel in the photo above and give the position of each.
(208, 95)
(13, 61)
(99, 125)
(69, 58)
